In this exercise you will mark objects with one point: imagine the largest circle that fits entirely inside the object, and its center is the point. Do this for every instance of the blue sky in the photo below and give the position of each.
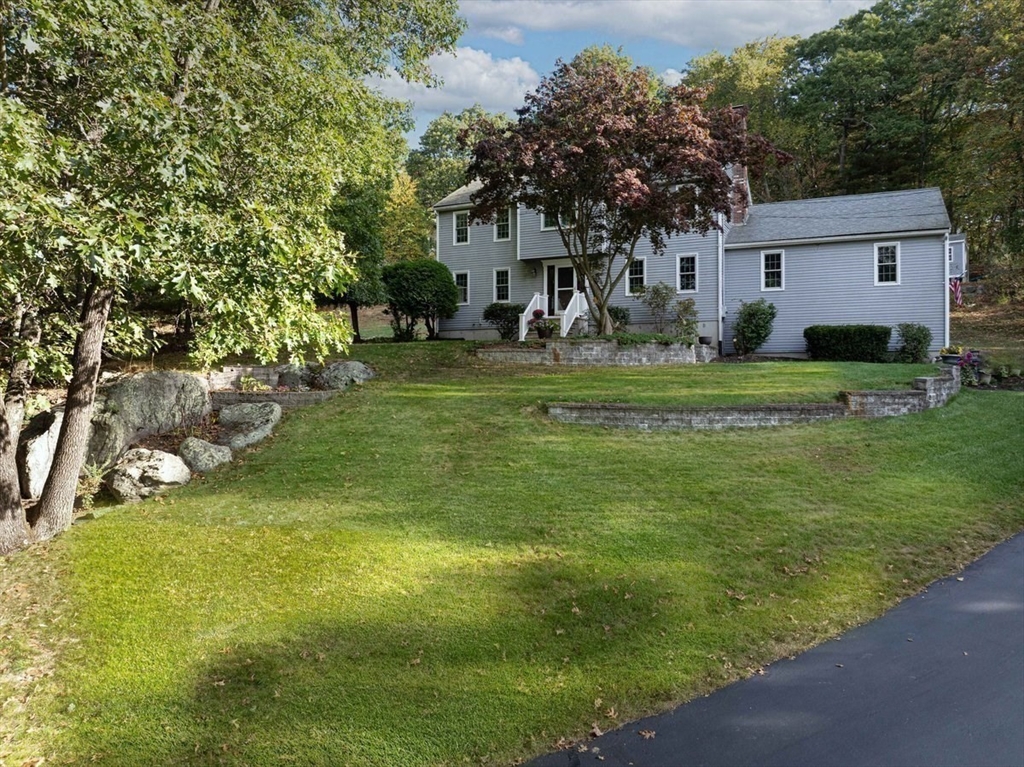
(510, 44)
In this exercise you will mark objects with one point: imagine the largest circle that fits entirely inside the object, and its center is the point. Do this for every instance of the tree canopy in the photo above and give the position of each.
(617, 158)
(191, 148)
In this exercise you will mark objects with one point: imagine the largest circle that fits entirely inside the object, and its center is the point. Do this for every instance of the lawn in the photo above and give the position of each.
(425, 571)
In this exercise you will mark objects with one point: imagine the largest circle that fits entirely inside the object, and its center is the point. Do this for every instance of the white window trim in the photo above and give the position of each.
(563, 220)
(465, 272)
(503, 239)
(782, 268)
(696, 272)
(887, 245)
(494, 286)
(455, 227)
(643, 261)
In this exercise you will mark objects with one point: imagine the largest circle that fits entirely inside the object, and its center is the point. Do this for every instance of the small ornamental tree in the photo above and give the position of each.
(419, 290)
(619, 158)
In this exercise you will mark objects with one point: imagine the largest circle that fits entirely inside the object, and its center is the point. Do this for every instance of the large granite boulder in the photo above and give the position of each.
(341, 375)
(143, 473)
(142, 405)
(296, 377)
(202, 456)
(247, 423)
(36, 445)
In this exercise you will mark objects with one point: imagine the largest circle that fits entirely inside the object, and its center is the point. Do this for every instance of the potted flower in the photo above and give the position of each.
(543, 326)
(968, 364)
(951, 354)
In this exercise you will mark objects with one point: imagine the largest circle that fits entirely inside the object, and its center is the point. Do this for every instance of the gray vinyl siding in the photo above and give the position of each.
(536, 242)
(834, 284)
(663, 269)
(480, 258)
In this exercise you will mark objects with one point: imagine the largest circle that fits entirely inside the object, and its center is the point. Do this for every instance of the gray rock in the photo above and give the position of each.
(341, 375)
(143, 473)
(247, 423)
(36, 444)
(202, 456)
(142, 405)
(296, 376)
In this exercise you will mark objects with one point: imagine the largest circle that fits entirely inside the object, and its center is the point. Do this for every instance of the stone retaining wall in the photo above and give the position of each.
(600, 353)
(652, 417)
(230, 376)
(288, 400)
(927, 393)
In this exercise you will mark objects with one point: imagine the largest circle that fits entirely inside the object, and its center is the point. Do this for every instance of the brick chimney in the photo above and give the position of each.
(741, 185)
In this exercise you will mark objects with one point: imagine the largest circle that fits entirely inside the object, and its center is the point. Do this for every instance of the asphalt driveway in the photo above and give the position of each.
(938, 680)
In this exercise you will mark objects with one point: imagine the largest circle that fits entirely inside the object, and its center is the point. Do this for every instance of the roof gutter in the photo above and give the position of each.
(837, 238)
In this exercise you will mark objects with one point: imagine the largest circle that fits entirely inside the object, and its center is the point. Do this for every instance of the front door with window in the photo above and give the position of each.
(560, 286)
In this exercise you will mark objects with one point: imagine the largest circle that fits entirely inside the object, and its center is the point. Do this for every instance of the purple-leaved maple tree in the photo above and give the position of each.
(615, 156)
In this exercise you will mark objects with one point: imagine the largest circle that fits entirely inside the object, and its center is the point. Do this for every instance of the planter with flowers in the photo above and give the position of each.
(544, 327)
(950, 355)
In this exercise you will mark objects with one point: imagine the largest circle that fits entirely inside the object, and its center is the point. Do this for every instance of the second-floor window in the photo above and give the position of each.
(503, 226)
(551, 222)
(462, 228)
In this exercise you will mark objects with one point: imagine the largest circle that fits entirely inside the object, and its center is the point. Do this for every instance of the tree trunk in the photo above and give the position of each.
(55, 510)
(14, 530)
(353, 310)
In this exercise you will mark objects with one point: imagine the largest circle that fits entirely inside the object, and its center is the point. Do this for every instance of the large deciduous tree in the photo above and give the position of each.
(191, 147)
(614, 158)
(439, 165)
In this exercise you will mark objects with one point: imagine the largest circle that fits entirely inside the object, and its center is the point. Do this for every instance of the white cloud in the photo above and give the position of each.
(509, 34)
(701, 24)
(672, 76)
(470, 77)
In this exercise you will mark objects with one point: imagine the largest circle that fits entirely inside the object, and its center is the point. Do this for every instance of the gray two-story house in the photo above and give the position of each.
(866, 259)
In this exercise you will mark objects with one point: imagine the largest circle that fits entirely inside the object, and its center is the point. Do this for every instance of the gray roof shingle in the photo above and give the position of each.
(460, 197)
(858, 214)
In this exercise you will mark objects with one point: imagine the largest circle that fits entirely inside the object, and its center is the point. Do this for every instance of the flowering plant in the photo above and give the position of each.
(540, 324)
(968, 365)
(951, 350)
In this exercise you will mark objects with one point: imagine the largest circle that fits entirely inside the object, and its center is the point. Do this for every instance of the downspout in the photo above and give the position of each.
(945, 291)
(437, 236)
(519, 208)
(721, 283)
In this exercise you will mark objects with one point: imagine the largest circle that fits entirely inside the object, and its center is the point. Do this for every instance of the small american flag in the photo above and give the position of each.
(958, 296)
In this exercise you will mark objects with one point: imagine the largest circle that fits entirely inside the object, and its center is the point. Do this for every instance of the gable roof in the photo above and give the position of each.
(460, 197)
(911, 210)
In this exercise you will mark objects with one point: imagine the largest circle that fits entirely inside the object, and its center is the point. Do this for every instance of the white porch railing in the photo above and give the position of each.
(577, 308)
(537, 302)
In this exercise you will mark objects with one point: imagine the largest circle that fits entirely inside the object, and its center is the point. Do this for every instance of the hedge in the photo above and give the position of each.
(848, 343)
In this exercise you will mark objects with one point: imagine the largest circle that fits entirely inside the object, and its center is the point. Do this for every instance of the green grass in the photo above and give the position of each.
(426, 571)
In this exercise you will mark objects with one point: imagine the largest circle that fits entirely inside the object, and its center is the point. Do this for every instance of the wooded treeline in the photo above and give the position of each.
(909, 93)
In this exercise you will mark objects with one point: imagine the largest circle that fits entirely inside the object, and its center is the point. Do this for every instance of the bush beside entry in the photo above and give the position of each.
(505, 318)
(753, 325)
(914, 342)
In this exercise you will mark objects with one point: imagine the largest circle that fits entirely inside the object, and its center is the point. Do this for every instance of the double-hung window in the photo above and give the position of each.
(503, 226)
(462, 286)
(550, 221)
(461, 228)
(686, 275)
(637, 276)
(887, 263)
(502, 285)
(773, 270)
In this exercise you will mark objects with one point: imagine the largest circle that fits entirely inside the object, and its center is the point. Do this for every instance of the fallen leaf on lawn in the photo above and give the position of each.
(596, 731)
(613, 714)
(646, 734)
